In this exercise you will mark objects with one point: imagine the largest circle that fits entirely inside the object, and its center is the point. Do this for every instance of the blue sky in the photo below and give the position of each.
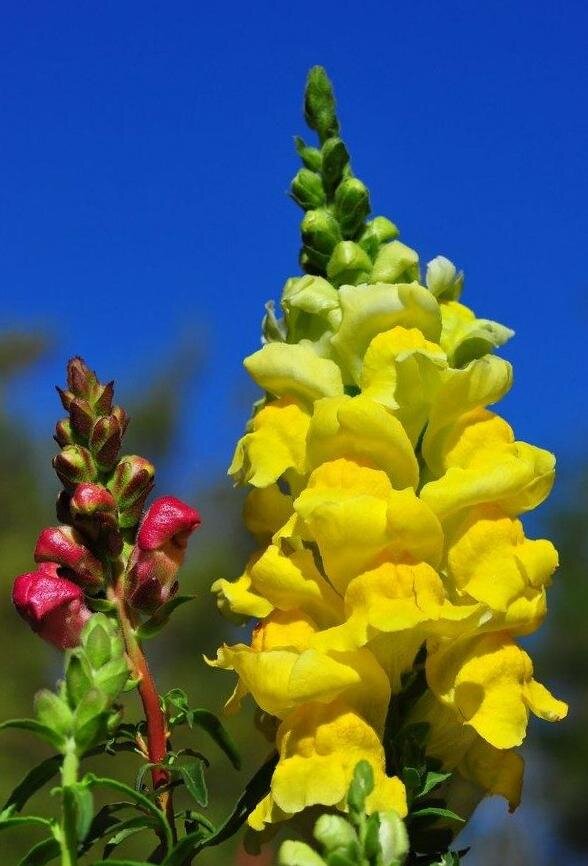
(146, 149)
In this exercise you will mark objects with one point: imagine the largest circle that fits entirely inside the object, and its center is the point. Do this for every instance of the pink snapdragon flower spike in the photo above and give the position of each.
(52, 605)
(64, 546)
(159, 552)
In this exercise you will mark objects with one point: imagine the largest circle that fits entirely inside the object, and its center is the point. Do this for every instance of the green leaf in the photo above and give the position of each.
(101, 605)
(35, 727)
(139, 799)
(217, 732)
(154, 625)
(33, 781)
(193, 819)
(192, 773)
(22, 821)
(436, 812)
(84, 804)
(42, 853)
(411, 778)
(104, 822)
(433, 780)
(126, 829)
(121, 863)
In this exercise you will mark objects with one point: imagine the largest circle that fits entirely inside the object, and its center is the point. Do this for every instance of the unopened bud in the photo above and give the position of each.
(396, 263)
(82, 416)
(335, 833)
(443, 279)
(74, 464)
(64, 434)
(105, 440)
(53, 606)
(63, 545)
(130, 485)
(159, 552)
(349, 265)
(307, 189)
(80, 379)
(121, 416)
(352, 205)
(320, 234)
(310, 156)
(319, 104)
(94, 511)
(335, 160)
(378, 231)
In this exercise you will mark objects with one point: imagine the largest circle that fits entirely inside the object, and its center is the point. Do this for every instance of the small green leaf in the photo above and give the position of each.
(33, 781)
(126, 829)
(101, 605)
(22, 821)
(159, 619)
(436, 812)
(54, 712)
(193, 819)
(35, 727)
(361, 786)
(139, 799)
(192, 773)
(411, 778)
(84, 808)
(104, 822)
(433, 780)
(42, 853)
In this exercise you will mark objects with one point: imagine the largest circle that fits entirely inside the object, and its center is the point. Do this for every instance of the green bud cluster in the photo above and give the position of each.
(338, 241)
(379, 839)
(82, 712)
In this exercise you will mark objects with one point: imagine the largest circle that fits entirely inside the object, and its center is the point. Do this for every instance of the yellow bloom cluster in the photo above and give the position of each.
(385, 498)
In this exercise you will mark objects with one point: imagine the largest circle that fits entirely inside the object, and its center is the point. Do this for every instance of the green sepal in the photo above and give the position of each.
(334, 832)
(79, 678)
(352, 205)
(361, 787)
(310, 156)
(349, 265)
(307, 189)
(335, 158)
(97, 644)
(84, 806)
(154, 624)
(295, 853)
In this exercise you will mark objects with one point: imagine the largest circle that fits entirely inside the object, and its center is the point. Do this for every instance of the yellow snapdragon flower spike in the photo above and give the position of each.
(385, 496)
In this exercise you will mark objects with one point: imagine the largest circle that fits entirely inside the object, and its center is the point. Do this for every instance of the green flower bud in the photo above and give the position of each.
(377, 232)
(361, 787)
(320, 235)
(352, 205)
(335, 159)
(393, 839)
(310, 156)
(319, 104)
(74, 465)
(349, 264)
(396, 263)
(96, 641)
(54, 712)
(443, 279)
(307, 189)
(294, 853)
(334, 833)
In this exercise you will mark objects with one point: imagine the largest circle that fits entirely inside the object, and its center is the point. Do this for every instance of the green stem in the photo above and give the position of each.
(68, 837)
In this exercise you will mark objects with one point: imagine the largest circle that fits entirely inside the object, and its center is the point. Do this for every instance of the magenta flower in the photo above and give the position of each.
(52, 605)
(64, 546)
(161, 546)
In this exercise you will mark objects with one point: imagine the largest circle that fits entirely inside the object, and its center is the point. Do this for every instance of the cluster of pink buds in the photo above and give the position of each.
(104, 536)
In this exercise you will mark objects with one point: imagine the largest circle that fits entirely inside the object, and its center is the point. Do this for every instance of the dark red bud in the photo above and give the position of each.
(159, 552)
(82, 416)
(88, 499)
(103, 402)
(105, 441)
(64, 434)
(81, 380)
(66, 397)
(64, 546)
(122, 417)
(74, 464)
(53, 606)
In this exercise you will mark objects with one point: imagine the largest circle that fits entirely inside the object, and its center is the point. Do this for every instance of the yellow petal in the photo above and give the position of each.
(355, 524)
(496, 771)
(402, 371)
(489, 558)
(320, 746)
(277, 442)
(368, 310)
(465, 337)
(488, 680)
(238, 597)
(266, 510)
(294, 370)
(360, 429)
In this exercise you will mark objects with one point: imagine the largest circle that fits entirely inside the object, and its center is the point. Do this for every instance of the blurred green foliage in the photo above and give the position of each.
(27, 491)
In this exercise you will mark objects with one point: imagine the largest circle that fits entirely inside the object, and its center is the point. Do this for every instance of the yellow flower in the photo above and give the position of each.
(488, 680)
(319, 746)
